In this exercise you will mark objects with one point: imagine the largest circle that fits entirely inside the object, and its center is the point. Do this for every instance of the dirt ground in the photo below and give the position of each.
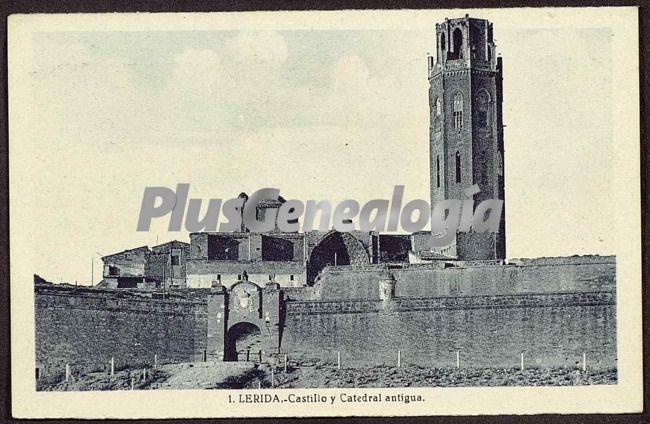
(384, 376)
(242, 375)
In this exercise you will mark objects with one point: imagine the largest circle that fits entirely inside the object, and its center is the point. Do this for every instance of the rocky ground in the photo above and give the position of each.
(219, 375)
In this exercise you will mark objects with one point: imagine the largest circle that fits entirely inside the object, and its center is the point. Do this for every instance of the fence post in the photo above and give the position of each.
(285, 363)
(399, 358)
(272, 375)
(67, 372)
(132, 382)
(144, 374)
(338, 359)
(458, 359)
(584, 361)
(155, 361)
(522, 361)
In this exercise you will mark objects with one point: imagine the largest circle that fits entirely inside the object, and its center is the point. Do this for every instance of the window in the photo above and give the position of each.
(458, 167)
(458, 111)
(437, 171)
(458, 42)
(218, 277)
(291, 277)
(175, 260)
(437, 111)
(455, 45)
(113, 270)
(442, 41)
(483, 109)
(489, 53)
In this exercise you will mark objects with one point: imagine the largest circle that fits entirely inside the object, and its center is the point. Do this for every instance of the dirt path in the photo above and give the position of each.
(206, 375)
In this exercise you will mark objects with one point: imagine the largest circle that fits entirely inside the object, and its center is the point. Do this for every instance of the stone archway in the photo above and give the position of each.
(336, 248)
(243, 343)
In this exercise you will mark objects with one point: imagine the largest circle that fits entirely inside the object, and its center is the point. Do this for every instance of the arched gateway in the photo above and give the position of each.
(244, 322)
(243, 343)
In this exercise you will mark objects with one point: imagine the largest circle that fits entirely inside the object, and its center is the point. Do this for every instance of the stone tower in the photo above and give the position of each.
(466, 126)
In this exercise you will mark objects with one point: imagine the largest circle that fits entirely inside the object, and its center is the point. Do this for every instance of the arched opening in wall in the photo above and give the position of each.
(437, 115)
(456, 44)
(438, 171)
(244, 343)
(443, 44)
(335, 249)
(458, 175)
(458, 111)
(489, 53)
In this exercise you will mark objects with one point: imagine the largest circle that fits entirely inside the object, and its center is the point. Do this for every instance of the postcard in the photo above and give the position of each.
(341, 213)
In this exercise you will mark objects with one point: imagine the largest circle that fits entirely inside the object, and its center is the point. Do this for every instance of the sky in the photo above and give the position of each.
(320, 114)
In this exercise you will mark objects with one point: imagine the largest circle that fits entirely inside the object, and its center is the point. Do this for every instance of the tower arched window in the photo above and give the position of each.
(489, 53)
(443, 44)
(458, 43)
(438, 171)
(483, 117)
(437, 111)
(458, 111)
(458, 175)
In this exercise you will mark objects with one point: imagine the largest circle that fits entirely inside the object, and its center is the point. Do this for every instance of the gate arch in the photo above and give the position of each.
(243, 342)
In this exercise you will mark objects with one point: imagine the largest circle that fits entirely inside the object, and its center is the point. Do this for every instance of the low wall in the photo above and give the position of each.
(86, 327)
(544, 275)
(202, 272)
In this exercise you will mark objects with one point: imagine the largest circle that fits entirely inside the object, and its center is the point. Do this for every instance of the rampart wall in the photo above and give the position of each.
(86, 327)
(551, 329)
(552, 310)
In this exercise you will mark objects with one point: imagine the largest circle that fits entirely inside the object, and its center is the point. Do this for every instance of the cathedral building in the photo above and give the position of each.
(466, 148)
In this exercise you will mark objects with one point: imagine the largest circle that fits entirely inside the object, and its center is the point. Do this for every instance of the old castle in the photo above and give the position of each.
(227, 296)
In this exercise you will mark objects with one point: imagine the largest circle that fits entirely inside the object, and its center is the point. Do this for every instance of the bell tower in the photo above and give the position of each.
(466, 127)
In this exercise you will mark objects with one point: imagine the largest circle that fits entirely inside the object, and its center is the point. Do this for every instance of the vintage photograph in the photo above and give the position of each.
(390, 201)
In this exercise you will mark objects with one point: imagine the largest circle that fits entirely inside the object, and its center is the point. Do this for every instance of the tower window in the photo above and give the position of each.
(442, 41)
(456, 43)
(438, 106)
(437, 171)
(458, 111)
(458, 167)
(489, 53)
